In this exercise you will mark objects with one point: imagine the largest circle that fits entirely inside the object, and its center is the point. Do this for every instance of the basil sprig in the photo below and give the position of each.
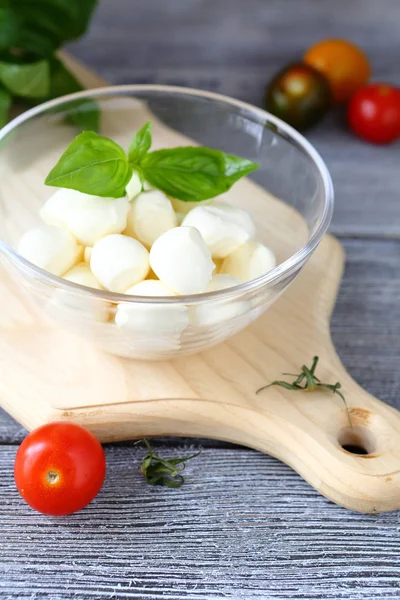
(96, 165)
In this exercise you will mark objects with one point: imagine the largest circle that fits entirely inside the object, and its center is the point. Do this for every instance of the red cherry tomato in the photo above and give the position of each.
(59, 468)
(374, 113)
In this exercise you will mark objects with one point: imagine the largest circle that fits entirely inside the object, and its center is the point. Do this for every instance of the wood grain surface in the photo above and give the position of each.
(244, 525)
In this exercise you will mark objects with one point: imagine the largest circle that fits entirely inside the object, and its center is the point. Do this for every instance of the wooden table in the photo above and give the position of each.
(244, 525)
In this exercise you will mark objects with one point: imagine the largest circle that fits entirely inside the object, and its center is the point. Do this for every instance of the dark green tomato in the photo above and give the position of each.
(299, 95)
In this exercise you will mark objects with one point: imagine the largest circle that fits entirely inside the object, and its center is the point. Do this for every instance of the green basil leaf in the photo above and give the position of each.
(31, 80)
(140, 144)
(62, 81)
(9, 28)
(5, 105)
(194, 173)
(84, 113)
(37, 42)
(92, 164)
(236, 167)
(84, 12)
(47, 24)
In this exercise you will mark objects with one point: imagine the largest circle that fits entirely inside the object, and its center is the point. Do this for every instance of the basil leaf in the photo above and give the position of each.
(83, 14)
(47, 24)
(38, 42)
(194, 173)
(83, 113)
(236, 167)
(9, 27)
(31, 80)
(92, 164)
(62, 81)
(140, 144)
(5, 105)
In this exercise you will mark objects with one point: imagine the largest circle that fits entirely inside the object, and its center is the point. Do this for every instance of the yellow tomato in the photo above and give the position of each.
(344, 65)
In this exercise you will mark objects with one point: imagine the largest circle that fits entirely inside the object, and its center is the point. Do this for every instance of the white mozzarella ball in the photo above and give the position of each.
(89, 218)
(78, 313)
(134, 186)
(237, 215)
(50, 248)
(182, 261)
(249, 261)
(156, 320)
(221, 235)
(151, 215)
(118, 262)
(222, 282)
(218, 311)
(82, 275)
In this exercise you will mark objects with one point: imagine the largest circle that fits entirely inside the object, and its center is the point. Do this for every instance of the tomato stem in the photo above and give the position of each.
(52, 477)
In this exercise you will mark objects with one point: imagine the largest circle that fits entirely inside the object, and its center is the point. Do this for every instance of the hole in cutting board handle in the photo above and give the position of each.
(357, 440)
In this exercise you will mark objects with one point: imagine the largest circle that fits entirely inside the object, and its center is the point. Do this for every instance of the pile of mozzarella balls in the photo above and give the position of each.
(144, 245)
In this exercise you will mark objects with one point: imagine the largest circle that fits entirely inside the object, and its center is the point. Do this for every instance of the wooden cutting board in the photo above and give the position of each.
(213, 394)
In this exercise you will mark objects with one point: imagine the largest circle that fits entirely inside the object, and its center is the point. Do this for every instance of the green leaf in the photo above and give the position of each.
(140, 144)
(9, 28)
(236, 167)
(163, 471)
(62, 81)
(45, 25)
(29, 81)
(83, 113)
(5, 105)
(36, 42)
(92, 164)
(84, 12)
(194, 173)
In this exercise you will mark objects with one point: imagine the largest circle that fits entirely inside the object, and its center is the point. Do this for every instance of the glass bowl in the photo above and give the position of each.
(290, 198)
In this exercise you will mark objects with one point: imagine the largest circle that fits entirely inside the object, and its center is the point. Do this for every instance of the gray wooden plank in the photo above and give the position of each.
(365, 326)
(242, 526)
(234, 47)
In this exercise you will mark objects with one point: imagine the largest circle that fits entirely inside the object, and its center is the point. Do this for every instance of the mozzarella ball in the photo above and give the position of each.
(249, 261)
(218, 311)
(222, 282)
(152, 319)
(50, 248)
(221, 235)
(151, 215)
(89, 218)
(182, 261)
(82, 275)
(118, 262)
(237, 215)
(134, 186)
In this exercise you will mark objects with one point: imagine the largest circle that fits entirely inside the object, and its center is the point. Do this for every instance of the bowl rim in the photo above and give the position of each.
(293, 263)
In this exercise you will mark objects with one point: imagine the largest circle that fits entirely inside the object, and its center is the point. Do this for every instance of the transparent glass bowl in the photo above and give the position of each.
(290, 198)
